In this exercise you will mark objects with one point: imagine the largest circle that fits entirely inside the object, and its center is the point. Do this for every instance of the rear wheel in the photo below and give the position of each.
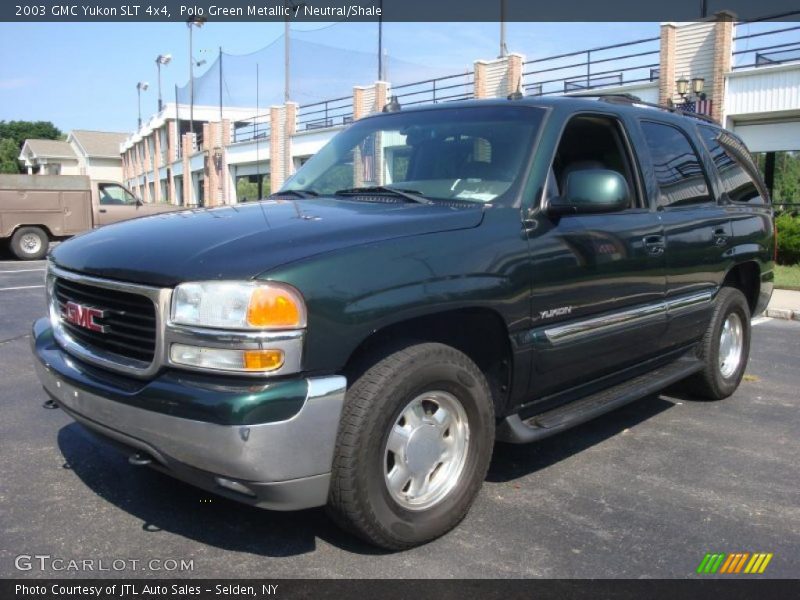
(29, 243)
(414, 446)
(725, 348)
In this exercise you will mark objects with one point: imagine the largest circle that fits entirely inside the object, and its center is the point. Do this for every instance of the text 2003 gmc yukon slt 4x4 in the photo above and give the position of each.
(431, 281)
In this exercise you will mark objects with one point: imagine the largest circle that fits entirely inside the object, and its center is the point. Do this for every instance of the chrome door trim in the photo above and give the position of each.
(577, 330)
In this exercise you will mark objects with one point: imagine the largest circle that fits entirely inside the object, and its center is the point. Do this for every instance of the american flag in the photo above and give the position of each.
(699, 107)
(368, 158)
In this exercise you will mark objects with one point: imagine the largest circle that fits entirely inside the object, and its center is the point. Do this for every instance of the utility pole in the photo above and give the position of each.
(141, 87)
(380, 43)
(192, 22)
(161, 59)
(288, 5)
(503, 49)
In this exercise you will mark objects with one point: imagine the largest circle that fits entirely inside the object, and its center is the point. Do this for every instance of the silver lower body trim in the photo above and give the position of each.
(663, 309)
(300, 447)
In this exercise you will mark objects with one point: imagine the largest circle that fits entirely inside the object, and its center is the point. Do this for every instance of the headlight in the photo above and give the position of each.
(238, 305)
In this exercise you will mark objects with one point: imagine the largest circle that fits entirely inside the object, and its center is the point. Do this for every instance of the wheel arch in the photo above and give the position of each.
(746, 277)
(480, 333)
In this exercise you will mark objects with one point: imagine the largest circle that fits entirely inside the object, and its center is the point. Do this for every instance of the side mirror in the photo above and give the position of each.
(592, 191)
(139, 202)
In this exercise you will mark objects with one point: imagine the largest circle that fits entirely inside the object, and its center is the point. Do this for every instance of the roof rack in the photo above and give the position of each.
(631, 99)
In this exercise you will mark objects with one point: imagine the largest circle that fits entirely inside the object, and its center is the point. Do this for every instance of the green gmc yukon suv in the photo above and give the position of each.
(431, 281)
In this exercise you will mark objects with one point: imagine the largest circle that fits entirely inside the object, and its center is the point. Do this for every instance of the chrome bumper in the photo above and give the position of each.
(297, 452)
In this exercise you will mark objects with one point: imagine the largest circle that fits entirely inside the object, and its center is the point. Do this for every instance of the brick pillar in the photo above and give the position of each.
(225, 177)
(156, 166)
(365, 100)
(172, 146)
(666, 64)
(723, 55)
(358, 103)
(289, 129)
(479, 81)
(186, 146)
(381, 95)
(276, 141)
(172, 156)
(209, 172)
(514, 73)
(498, 78)
(146, 168)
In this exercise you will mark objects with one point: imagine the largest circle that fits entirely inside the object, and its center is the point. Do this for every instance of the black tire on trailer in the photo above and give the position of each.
(30, 243)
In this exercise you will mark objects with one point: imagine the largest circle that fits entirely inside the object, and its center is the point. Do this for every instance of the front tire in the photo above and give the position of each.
(29, 243)
(414, 445)
(725, 348)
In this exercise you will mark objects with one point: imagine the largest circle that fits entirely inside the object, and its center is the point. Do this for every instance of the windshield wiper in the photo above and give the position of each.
(410, 195)
(298, 193)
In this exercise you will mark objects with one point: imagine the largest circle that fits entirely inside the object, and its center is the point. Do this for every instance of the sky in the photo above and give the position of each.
(84, 75)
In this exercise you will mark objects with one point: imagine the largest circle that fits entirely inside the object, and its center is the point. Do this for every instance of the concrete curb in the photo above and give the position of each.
(783, 313)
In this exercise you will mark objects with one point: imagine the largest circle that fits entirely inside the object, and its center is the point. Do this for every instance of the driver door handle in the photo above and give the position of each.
(654, 244)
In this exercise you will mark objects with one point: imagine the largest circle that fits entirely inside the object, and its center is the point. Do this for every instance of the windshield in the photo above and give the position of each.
(474, 154)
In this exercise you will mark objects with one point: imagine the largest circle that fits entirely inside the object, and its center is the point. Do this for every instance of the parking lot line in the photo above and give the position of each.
(23, 271)
(760, 320)
(21, 287)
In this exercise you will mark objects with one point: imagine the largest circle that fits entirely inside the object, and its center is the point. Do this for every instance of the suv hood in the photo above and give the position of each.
(243, 241)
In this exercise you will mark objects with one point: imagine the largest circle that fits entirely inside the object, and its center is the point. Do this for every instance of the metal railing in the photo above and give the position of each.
(254, 128)
(327, 113)
(440, 89)
(775, 42)
(589, 69)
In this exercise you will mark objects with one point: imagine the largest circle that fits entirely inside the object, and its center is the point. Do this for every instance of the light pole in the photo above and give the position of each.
(191, 23)
(288, 6)
(380, 43)
(141, 87)
(503, 47)
(161, 59)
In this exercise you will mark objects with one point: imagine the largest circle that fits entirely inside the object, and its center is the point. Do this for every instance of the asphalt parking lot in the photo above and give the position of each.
(645, 491)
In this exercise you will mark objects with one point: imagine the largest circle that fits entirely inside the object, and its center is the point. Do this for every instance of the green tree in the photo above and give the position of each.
(14, 133)
(8, 156)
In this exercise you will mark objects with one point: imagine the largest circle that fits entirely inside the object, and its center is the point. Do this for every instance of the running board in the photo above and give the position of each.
(513, 429)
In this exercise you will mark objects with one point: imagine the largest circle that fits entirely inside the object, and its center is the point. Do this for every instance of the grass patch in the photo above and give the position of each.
(787, 276)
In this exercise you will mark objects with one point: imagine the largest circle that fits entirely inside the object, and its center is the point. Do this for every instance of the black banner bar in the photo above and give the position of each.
(391, 10)
(207, 589)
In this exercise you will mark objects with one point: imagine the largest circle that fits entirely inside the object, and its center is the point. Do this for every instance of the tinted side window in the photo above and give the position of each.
(736, 179)
(677, 167)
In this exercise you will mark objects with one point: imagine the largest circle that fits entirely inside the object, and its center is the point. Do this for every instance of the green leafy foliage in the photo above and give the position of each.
(14, 133)
(788, 238)
(8, 156)
(19, 131)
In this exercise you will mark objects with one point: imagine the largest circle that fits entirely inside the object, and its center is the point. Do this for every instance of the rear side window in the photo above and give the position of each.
(677, 167)
(731, 159)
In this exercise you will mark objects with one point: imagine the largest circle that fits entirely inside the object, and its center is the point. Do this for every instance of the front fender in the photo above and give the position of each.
(354, 292)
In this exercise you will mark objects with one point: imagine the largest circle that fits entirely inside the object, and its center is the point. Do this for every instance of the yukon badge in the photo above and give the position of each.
(555, 312)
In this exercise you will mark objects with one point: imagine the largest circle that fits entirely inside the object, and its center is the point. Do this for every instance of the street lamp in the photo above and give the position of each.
(161, 59)
(191, 23)
(683, 86)
(141, 87)
(687, 88)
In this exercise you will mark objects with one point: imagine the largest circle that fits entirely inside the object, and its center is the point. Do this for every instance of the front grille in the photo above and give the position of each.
(129, 320)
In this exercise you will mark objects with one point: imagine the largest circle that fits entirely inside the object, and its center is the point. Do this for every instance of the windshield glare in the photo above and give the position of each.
(471, 154)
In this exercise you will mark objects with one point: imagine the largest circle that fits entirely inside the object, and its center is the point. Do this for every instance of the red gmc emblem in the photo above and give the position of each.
(84, 316)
